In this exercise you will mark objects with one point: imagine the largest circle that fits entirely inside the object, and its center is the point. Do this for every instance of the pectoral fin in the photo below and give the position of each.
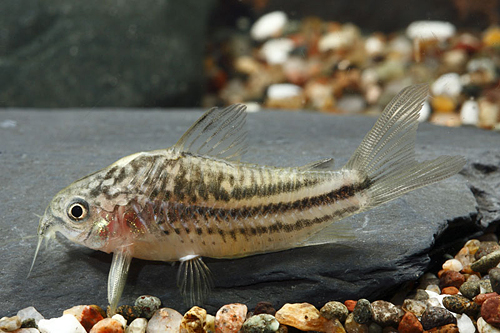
(194, 280)
(118, 276)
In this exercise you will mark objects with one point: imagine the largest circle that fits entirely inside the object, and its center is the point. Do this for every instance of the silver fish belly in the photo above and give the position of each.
(196, 199)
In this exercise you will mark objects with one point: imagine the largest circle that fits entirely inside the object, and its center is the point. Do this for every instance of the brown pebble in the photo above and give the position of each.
(485, 248)
(129, 312)
(490, 311)
(479, 299)
(264, 307)
(410, 324)
(451, 279)
(449, 291)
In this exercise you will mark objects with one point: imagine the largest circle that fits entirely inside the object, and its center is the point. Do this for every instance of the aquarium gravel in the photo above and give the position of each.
(463, 296)
(330, 66)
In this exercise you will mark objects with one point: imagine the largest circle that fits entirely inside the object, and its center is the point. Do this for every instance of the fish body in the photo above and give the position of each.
(174, 205)
(196, 199)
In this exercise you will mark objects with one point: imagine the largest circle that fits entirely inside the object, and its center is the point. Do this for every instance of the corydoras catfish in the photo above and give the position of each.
(196, 199)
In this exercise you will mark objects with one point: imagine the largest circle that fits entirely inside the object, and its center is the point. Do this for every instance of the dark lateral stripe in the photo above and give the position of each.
(276, 227)
(180, 212)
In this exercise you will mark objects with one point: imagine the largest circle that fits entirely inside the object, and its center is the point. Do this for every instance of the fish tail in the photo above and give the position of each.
(386, 156)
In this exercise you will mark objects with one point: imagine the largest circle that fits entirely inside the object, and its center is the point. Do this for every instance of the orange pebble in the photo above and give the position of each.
(350, 304)
(492, 37)
(449, 291)
(443, 104)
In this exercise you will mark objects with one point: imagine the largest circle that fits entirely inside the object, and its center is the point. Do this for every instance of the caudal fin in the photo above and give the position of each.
(386, 156)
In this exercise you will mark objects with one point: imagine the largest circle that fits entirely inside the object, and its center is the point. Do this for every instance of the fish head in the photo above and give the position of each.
(76, 214)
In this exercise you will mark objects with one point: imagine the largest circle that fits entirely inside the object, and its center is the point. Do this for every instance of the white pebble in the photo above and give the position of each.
(401, 46)
(338, 39)
(137, 326)
(374, 45)
(439, 30)
(268, 25)
(484, 327)
(164, 320)
(453, 265)
(433, 288)
(369, 76)
(425, 112)
(465, 324)
(276, 51)
(28, 313)
(435, 299)
(351, 103)
(252, 107)
(283, 90)
(481, 64)
(488, 113)
(10, 323)
(447, 84)
(119, 318)
(65, 324)
(469, 113)
(209, 326)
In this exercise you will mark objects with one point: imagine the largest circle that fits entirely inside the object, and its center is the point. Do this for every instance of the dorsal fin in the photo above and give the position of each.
(324, 164)
(219, 133)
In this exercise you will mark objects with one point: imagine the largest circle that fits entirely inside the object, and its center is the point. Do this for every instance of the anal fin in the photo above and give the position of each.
(194, 280)
(336, 232)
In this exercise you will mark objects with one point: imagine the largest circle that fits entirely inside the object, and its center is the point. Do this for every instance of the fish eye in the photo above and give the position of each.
(78, 210)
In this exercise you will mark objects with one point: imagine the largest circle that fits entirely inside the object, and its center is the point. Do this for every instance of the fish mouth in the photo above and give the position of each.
(45, 231)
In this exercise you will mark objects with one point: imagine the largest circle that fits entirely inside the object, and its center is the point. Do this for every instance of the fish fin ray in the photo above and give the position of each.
(324, 164)
(386, 156)
(118, 276)
(335, 232)
(218, 133)
(194, 280)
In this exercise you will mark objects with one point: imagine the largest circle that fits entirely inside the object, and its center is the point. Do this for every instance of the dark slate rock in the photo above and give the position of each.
(47, 150)
(102, 53)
